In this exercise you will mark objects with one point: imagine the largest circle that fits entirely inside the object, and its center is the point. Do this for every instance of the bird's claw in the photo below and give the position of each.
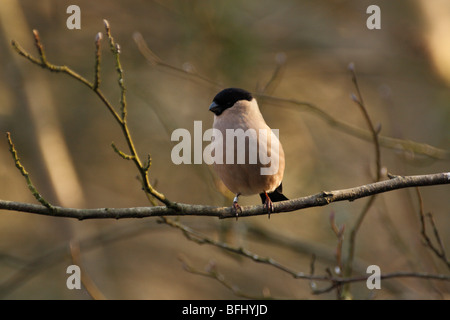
(236, 209)
(268, 205)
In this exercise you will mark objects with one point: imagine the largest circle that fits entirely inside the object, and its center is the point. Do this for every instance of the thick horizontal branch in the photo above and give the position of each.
(180, 209)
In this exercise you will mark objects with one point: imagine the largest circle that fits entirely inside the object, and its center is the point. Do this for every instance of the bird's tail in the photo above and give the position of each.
(274, 196)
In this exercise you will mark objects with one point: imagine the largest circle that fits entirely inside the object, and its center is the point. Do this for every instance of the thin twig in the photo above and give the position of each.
(30, 267)
(98, 56)
(202, 239)
(277, 74)
(154, 60)
(212, 272)
(439, 252)
(336, 281)
(64, 69)
(121, 119)
(360, 102)
(358, 99)
(88, 283)
(121, 153)
(339, 232)
(385, 141)
(26, 175)
(115, 50)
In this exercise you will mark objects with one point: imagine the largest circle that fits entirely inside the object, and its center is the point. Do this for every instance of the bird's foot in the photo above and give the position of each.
(236, 207)
(268, 205)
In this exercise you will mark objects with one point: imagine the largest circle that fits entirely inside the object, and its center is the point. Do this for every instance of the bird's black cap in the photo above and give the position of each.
(227, 98)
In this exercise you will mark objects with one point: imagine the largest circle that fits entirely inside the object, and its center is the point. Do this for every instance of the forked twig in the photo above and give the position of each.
(120, 118)
(438, 251)
(26, 175)
(211, 271)
(358, 99)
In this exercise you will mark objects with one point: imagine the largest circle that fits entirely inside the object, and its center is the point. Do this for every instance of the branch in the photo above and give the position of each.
(360, 102)
(120, 118)
(336, 281)
(438, 251)
(354, 230)
(88, 283)
(26, 175)
(154, 60)
(339, 232)
(384, 141)
(212, 272)
(320, 199)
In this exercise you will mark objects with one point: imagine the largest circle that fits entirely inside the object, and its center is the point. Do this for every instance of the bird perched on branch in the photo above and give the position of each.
(249, 157)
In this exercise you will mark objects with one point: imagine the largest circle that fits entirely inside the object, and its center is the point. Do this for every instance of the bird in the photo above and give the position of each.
(236, 109)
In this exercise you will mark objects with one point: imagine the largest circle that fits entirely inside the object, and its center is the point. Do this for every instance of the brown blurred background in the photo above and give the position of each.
(63, 134)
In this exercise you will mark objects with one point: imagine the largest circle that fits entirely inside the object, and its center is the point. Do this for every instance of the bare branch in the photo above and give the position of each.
(360, 102)
(121, 153)
(320, 199)
(385, 141)
(98, 56)
(24, 172)
(339, 232)
(440, 251)
(277, 74)
(358, 99)
(115, 49)
(154, 60)
(86, 279)
(120, 119)
(212, 272)
(336, 281)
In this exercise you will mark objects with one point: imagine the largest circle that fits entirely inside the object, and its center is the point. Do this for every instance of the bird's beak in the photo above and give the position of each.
(214, 107)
